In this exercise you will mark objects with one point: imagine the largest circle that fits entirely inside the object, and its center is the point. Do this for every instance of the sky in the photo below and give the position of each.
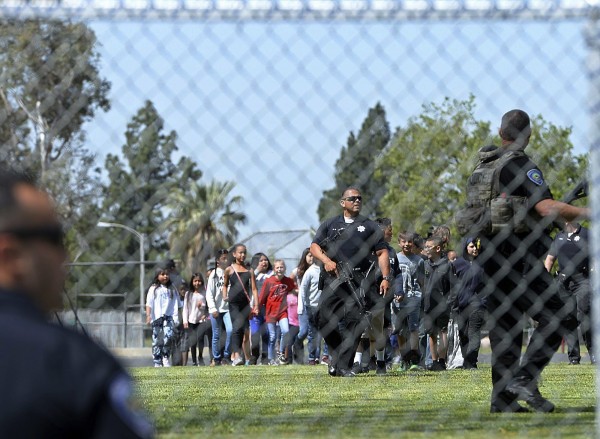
(270, 104)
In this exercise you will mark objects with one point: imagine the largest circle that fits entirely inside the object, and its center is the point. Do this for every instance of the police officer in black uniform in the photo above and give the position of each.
(349, 239)
(510, 207)
(55, 382)
(571, 248)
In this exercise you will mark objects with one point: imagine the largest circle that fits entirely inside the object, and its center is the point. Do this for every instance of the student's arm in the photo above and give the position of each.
(186, 312)
(264, 292)
(210, 294)
(226, 283)
(254, 292)
(149, 302)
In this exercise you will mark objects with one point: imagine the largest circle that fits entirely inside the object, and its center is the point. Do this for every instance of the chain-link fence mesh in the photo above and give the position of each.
(173, 129)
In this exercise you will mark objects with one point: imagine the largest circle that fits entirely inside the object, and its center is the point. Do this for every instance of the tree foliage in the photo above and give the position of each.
(357, 164)
(430, 158)
(204, 219)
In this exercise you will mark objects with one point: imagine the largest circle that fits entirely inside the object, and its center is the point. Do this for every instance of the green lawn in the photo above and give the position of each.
(295, 401)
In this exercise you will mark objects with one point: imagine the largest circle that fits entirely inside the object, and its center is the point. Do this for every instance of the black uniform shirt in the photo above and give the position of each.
(59, 383)
(572, 251)
(355, 245)
(522, 178)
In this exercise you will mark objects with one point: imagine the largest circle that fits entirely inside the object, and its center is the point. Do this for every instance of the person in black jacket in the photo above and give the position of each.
(468, 306)
(56, 382)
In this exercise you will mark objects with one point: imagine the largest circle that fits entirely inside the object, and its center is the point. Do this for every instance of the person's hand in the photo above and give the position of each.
(384, 287)
(330, 267)
(225, 298)
(148, 320)
(255, 310)
(215, 314)
(398, 299)
(186, 325)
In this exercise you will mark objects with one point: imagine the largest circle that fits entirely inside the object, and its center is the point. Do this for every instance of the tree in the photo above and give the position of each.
(430, 159)
(203, 219)
(140, 184)
(356, 166)
(50, 86)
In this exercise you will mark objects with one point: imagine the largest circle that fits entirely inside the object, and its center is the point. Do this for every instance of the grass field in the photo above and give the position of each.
(295, 401)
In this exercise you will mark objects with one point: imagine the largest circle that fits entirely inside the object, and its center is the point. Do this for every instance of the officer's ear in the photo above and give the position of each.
(342, 203)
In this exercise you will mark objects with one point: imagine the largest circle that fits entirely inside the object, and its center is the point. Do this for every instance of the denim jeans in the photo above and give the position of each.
(217, 323)
(284, 327)
(314, 336)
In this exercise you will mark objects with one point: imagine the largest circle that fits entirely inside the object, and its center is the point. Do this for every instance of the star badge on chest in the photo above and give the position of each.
(577, 238)
(361, 228)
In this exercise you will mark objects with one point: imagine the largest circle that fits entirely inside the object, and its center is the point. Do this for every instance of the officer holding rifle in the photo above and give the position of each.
(349, 246)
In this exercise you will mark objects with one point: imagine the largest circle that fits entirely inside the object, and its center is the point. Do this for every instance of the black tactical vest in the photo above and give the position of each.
(488, 211)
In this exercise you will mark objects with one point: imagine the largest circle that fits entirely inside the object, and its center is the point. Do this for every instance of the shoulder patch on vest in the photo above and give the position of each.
(535, 175)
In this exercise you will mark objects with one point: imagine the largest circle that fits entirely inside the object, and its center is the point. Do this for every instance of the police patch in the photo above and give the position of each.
(535, 175)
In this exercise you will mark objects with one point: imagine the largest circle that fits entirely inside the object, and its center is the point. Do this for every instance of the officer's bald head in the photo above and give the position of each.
(516, 127)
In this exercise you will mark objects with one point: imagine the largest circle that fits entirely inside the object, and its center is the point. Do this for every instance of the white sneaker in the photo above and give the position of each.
(237, 362)
(157, 365)
(166, 362)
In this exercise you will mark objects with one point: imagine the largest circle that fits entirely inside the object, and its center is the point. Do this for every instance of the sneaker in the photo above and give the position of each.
(166, 362)
(273, 363)
(574, 362)
(372, 363)
(253, 361)
(397, 360)
(194, 363)
(414, 367)
(325, 359)
(332, 370)
(436, 366)
(592, 359)
(356, 368)
(312, 363)
(157, 365)
(380, 370)
(237, 362)
(215, 363)
(527, 390)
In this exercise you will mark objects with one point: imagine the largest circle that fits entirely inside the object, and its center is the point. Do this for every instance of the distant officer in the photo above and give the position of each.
(344, 245)
(571, 248)
(509, 206)
(55, 382)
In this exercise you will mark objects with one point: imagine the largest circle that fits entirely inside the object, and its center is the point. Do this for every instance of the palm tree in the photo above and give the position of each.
(204, 219)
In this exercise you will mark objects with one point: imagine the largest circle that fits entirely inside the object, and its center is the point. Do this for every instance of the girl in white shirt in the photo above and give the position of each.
(162, 304)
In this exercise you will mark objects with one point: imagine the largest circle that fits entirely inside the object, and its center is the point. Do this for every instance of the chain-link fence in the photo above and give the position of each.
(173, 129)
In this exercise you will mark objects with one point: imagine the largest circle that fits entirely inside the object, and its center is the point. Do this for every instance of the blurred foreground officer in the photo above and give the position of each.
(55, 382)
(510, 207)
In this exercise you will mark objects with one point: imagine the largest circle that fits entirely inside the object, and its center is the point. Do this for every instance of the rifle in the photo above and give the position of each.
(580, 191)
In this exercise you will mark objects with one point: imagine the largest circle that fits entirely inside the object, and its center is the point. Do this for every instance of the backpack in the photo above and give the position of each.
(487, 211)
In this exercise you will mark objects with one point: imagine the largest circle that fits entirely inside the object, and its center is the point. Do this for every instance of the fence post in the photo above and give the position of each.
(125, 320)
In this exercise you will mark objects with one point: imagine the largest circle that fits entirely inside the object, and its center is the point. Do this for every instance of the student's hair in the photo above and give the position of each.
(436, 240)
(302, 264)
(218, 254)
(9, 207)
(442, 232)
(256, 260)
(418, 241)
(383, 222)
(195, 276)
(350, 188)
(407, 236)
(279, 260)
(515, 126)
(159, 270)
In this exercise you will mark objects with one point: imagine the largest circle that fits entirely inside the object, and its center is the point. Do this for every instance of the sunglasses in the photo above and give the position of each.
(353, 198)
(53, 235)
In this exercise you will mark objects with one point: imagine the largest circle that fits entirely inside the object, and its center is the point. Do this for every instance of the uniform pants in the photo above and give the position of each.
(577, 294)
(516, 285)
(340, 322)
